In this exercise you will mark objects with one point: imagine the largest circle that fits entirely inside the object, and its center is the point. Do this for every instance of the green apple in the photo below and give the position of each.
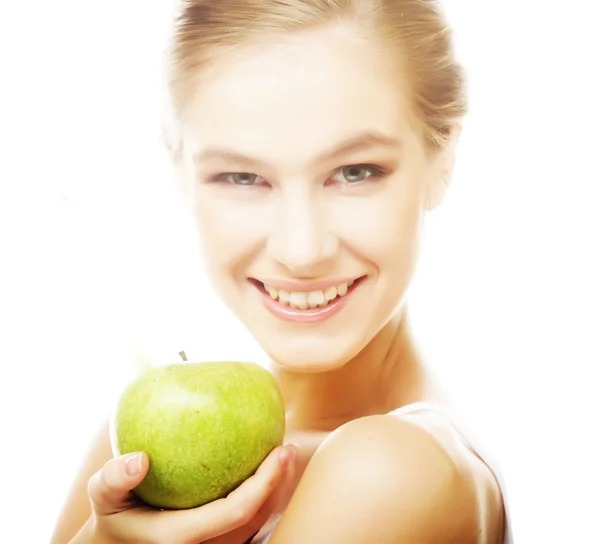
(206, 427)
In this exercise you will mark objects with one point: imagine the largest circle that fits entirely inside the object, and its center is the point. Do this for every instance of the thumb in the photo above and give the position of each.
(110, 488)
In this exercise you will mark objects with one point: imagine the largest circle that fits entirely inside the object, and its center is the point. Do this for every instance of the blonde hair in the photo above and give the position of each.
(416, 32)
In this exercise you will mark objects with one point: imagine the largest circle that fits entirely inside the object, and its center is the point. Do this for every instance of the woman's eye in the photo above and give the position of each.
(348, 175)
(355, 173)
(242, 178)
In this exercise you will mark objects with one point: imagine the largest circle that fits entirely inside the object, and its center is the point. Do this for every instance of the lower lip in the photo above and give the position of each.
(311, 315)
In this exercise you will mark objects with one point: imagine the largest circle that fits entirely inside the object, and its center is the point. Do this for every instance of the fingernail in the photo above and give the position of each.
(133, 465)
(285, 455)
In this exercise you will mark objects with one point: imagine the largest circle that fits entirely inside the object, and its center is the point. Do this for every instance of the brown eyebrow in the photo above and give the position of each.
(353, 144)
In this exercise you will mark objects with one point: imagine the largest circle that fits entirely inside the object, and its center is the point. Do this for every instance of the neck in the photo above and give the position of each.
(386, 374)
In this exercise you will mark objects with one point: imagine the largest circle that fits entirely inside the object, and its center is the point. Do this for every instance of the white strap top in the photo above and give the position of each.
(481, 452)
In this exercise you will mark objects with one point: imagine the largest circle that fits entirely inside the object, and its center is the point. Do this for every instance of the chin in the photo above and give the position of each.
(309, 366)
(310, 346)
(311, 355)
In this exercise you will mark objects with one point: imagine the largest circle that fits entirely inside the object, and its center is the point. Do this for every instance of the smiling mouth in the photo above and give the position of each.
(308, 300)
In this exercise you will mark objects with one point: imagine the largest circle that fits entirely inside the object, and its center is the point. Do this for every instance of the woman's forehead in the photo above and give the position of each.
(313, 92)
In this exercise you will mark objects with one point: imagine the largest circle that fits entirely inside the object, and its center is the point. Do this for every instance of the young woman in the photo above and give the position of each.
(311, 138)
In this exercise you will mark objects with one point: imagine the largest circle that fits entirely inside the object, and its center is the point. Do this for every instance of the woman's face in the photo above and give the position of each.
(310, 183)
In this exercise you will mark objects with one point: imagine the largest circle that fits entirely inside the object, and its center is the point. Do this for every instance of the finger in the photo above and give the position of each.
(246, 532)
(110, 488)
(271, 506)
(275, 504)
(279, 500)
(239, 508)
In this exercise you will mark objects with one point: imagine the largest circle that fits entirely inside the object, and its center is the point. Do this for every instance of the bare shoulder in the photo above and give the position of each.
(386, 479)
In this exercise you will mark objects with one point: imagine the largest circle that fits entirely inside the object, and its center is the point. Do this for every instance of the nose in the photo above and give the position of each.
(300, 238)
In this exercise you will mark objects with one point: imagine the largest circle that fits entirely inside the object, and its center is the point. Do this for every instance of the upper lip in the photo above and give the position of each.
(295, 286)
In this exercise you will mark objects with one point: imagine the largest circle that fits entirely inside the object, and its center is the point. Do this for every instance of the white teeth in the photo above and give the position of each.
(331, 293)
(298, 300)
(315, 298)
(303, 300)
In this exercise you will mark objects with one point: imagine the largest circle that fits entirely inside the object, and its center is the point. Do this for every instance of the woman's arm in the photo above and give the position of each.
(382, 479)
(77, 509)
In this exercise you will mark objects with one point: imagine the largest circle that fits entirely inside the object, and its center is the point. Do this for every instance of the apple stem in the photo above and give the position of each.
(182, 355)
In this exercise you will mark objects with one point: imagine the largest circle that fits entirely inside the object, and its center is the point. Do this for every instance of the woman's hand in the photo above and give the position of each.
(118, 517)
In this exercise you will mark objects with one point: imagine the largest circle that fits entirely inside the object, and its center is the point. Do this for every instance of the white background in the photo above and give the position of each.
(97, 260)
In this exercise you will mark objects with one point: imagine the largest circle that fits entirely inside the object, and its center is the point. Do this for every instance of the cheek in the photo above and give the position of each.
(228, 229)
(385, 230)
